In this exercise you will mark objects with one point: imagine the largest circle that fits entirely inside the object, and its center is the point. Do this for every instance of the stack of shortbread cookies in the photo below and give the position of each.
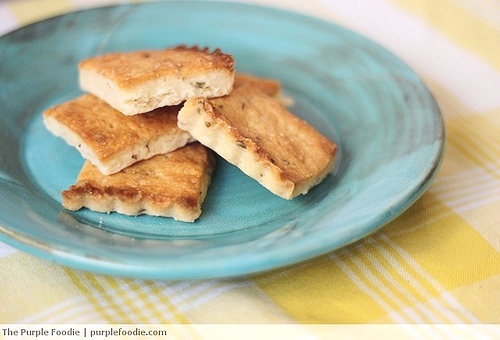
(150, 120)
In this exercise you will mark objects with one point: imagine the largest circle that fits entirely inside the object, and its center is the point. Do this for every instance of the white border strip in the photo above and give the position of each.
(248, 331)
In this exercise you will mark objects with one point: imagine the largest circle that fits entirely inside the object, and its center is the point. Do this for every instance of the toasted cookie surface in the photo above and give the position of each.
(255, 132)
(172, 185)
(269, 86)
(140, 81)
(110, 140)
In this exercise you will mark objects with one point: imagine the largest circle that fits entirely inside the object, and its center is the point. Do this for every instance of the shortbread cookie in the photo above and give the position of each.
(112, 141)
(269, 86)
(255, 132)
(140, 81)
(172, 185)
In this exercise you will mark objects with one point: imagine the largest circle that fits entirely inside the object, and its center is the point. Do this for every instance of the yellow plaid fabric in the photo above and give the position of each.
(437, 263)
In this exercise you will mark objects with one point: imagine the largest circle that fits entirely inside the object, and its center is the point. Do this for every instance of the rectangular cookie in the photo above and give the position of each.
(255, 132)
(269, 86)
(140, 81)
(171, 185)
(110, 140)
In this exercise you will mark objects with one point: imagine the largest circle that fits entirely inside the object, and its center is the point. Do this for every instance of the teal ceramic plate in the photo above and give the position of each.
(386, 123)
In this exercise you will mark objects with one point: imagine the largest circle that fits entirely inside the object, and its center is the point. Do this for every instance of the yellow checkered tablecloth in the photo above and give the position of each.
(438, 263)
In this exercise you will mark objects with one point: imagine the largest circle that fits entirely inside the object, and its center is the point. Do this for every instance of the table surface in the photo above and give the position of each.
(443, 269)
